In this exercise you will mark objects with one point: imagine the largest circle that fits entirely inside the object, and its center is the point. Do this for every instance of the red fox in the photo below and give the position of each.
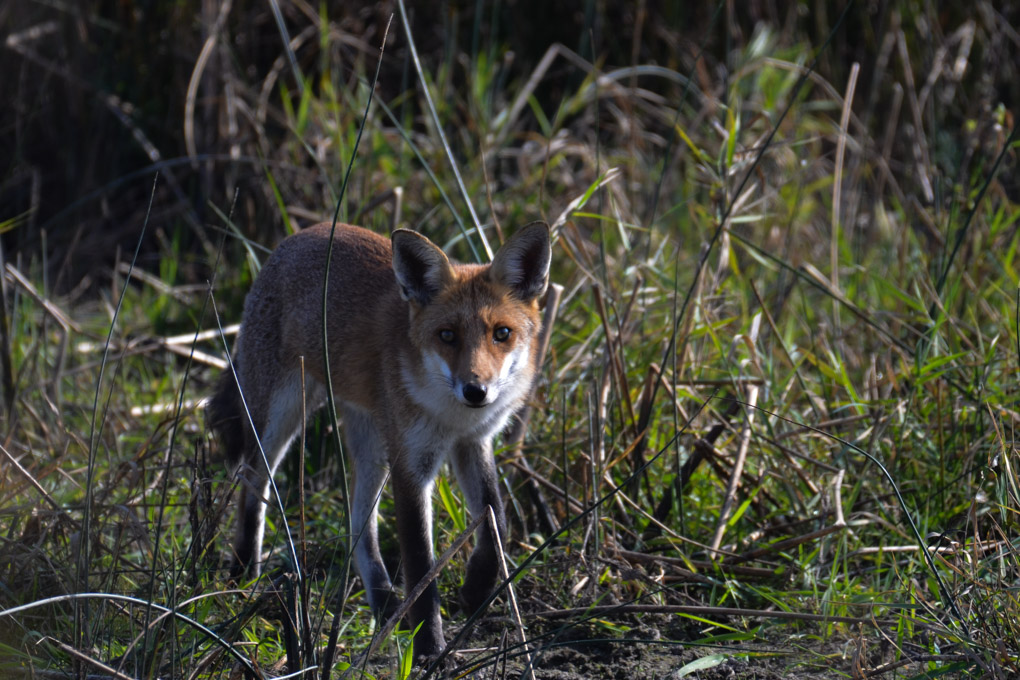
(429, 359)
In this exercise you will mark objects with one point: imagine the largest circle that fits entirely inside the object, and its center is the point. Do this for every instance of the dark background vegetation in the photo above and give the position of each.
(97, 91)
(688, 293)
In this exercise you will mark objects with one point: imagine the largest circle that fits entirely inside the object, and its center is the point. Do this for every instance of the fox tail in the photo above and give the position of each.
(225, 416)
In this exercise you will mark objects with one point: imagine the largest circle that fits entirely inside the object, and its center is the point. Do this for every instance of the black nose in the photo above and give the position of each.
(474, 393)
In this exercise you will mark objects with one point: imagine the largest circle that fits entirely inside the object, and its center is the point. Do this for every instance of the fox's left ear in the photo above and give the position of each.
(522, 264)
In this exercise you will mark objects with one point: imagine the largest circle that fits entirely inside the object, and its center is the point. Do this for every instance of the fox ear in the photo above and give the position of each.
(522, 264)
(420, 266)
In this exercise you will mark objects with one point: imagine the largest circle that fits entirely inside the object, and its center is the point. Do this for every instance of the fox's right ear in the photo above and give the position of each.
(422, 269)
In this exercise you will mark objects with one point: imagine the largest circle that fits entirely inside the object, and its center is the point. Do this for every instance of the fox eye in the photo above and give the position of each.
(447, 336)
(501, 334)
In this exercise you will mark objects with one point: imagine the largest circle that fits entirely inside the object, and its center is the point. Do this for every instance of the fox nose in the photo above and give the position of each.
(474, 393)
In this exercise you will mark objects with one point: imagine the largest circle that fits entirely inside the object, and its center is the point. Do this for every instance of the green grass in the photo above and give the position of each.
(871, 406)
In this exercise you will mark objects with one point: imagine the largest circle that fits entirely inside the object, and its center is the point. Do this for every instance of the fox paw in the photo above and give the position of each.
(385, 603)
(478, 584)
(472, 597)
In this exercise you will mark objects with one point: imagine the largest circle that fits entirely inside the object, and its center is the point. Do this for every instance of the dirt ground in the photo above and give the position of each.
(655, 648)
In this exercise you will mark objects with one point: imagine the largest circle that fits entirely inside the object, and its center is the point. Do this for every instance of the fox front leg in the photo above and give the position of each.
(412, 497)
(476, 472)
(367, 452)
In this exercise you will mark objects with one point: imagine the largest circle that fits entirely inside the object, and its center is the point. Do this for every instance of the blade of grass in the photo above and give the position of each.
(173, 441)
(442, 135)
(246, 666)
(83, 559)
(961, 233)
(282, 27)
(334, 633)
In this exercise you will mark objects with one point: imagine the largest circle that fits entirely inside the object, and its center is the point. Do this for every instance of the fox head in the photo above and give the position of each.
(474, 327)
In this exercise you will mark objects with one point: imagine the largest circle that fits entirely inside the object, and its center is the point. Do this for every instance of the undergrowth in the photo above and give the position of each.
(775, 420)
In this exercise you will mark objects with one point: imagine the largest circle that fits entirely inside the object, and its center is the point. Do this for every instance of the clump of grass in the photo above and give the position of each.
(776, 411)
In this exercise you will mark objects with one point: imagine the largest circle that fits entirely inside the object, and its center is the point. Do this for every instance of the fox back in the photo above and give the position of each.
(428, 360)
